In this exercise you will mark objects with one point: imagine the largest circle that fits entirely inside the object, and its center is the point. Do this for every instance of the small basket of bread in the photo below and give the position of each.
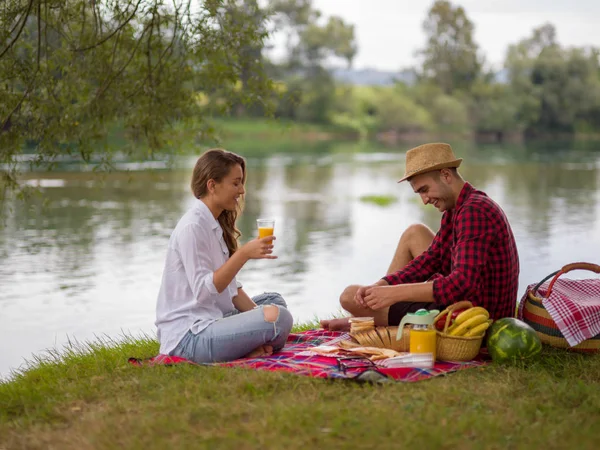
(364, 331)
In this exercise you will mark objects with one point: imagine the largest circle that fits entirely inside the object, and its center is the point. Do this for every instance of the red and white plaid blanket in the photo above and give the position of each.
(573, 304)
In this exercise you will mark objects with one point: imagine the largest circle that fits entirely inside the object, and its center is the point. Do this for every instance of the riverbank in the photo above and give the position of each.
(282, 130)
(90, 397)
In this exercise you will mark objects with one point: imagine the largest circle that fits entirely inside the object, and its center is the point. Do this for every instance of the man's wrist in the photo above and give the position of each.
(398, 293)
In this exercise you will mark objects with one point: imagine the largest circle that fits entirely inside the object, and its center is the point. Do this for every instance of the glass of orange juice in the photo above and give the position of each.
(265, 227)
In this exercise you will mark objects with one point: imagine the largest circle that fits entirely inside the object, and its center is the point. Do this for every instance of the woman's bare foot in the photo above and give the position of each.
(341, 324)
(263, 350)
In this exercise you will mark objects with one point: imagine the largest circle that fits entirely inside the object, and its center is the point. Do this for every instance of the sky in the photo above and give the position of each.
(388, 32)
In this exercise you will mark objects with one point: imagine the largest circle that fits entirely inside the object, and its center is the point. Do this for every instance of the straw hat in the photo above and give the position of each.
(429, 157)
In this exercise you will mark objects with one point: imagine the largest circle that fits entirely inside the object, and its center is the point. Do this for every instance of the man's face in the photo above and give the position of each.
(434, 188)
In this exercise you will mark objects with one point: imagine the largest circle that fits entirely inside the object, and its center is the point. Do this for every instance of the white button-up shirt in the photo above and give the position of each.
(188, 298)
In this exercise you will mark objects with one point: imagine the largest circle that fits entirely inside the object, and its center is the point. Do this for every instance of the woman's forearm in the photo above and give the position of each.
(243, 302)
(224, 274)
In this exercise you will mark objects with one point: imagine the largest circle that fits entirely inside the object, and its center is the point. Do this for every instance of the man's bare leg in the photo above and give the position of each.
(347, 301)
(414, 241)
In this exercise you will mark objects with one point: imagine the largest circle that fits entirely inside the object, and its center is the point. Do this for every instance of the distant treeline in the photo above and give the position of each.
(549, 89)
(73, 72)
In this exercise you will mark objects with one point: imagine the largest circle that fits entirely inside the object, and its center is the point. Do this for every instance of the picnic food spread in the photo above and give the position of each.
(455, 334)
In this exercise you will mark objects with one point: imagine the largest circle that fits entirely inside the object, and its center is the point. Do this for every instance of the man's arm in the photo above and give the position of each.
(475, 233)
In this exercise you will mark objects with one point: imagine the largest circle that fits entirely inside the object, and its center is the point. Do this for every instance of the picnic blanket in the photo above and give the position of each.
(297, 358)
(574, 305)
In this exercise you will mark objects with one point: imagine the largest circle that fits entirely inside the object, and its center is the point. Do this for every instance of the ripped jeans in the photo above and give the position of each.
(238, 334)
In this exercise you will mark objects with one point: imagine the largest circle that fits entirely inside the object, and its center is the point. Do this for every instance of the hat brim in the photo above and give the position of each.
(446, 165)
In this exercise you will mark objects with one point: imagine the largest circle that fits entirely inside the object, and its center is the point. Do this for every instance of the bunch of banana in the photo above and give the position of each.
(473, 321)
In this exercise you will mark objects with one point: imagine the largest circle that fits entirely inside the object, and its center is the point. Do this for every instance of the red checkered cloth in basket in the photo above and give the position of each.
(573, 304)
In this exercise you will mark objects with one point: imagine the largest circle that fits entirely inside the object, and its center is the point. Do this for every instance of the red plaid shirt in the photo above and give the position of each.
(473, 257)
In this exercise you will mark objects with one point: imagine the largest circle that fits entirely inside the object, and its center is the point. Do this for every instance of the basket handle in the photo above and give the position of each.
(446, 312)
(565, 269)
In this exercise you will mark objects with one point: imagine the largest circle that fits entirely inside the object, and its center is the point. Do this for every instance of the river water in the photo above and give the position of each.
(85, 258)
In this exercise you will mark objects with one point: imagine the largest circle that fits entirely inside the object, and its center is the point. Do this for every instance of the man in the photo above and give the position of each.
(472, 257)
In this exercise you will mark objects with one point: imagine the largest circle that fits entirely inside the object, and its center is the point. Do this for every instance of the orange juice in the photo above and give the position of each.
(423, 341)
(264, 232)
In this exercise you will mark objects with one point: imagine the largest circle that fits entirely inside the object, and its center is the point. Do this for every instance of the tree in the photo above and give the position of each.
(309, 45)
(495, 108)
(557, 88)
(72, 70)
(248, 15)
(450, 58)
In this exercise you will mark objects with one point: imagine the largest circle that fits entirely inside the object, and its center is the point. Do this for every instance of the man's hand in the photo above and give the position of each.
(379, 297)
(359, 297)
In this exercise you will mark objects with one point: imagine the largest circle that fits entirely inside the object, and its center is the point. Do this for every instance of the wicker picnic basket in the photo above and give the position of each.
(383, 337)
(535, 314)
(455, 348)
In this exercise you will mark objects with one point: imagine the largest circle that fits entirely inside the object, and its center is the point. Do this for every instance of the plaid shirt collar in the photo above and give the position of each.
(465, 192)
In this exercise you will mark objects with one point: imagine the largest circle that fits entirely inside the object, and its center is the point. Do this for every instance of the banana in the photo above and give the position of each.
(471, 312)
(479, 329)
(472, 322)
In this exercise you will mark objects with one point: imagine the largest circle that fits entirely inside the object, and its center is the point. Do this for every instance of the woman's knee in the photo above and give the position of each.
(270, 298)
(273, 313)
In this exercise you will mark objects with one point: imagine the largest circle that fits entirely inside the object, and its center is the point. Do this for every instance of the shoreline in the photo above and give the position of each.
(275, 129)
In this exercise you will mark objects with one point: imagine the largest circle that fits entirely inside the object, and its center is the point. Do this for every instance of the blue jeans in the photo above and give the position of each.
(236, 335)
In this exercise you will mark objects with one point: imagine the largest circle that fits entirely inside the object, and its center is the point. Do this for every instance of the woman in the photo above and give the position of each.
(199, 298)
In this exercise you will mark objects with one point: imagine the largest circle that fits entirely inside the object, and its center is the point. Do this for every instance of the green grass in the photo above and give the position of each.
(380, 200)
(88, 396)
(278, 128)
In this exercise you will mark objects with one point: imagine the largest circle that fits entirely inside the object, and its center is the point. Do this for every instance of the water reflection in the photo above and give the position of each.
(86, 257)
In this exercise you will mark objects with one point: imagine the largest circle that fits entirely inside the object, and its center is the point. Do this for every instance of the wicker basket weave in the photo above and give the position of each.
(536, 315)
(456, 348)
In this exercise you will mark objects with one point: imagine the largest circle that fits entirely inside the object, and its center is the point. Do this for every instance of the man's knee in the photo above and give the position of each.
(417, 230)
(347, 298)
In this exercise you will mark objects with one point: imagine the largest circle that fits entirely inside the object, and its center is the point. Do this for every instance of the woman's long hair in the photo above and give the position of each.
(215, 164)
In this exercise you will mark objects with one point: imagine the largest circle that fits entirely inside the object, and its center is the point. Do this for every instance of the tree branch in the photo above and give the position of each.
(11, 43)
(39, 41)
(160, 58)
(25, 95)
(103, 89)
(46, 32)
(149, 46)
(112, 33)
(83, 20)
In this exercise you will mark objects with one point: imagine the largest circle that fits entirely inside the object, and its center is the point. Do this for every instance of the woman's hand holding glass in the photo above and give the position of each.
(259, 248)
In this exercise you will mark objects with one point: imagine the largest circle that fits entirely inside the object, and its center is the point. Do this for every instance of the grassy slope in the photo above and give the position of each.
(276, 127)
(92, 398)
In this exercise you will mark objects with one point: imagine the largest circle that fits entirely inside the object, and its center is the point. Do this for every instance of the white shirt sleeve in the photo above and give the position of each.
(192, 245)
